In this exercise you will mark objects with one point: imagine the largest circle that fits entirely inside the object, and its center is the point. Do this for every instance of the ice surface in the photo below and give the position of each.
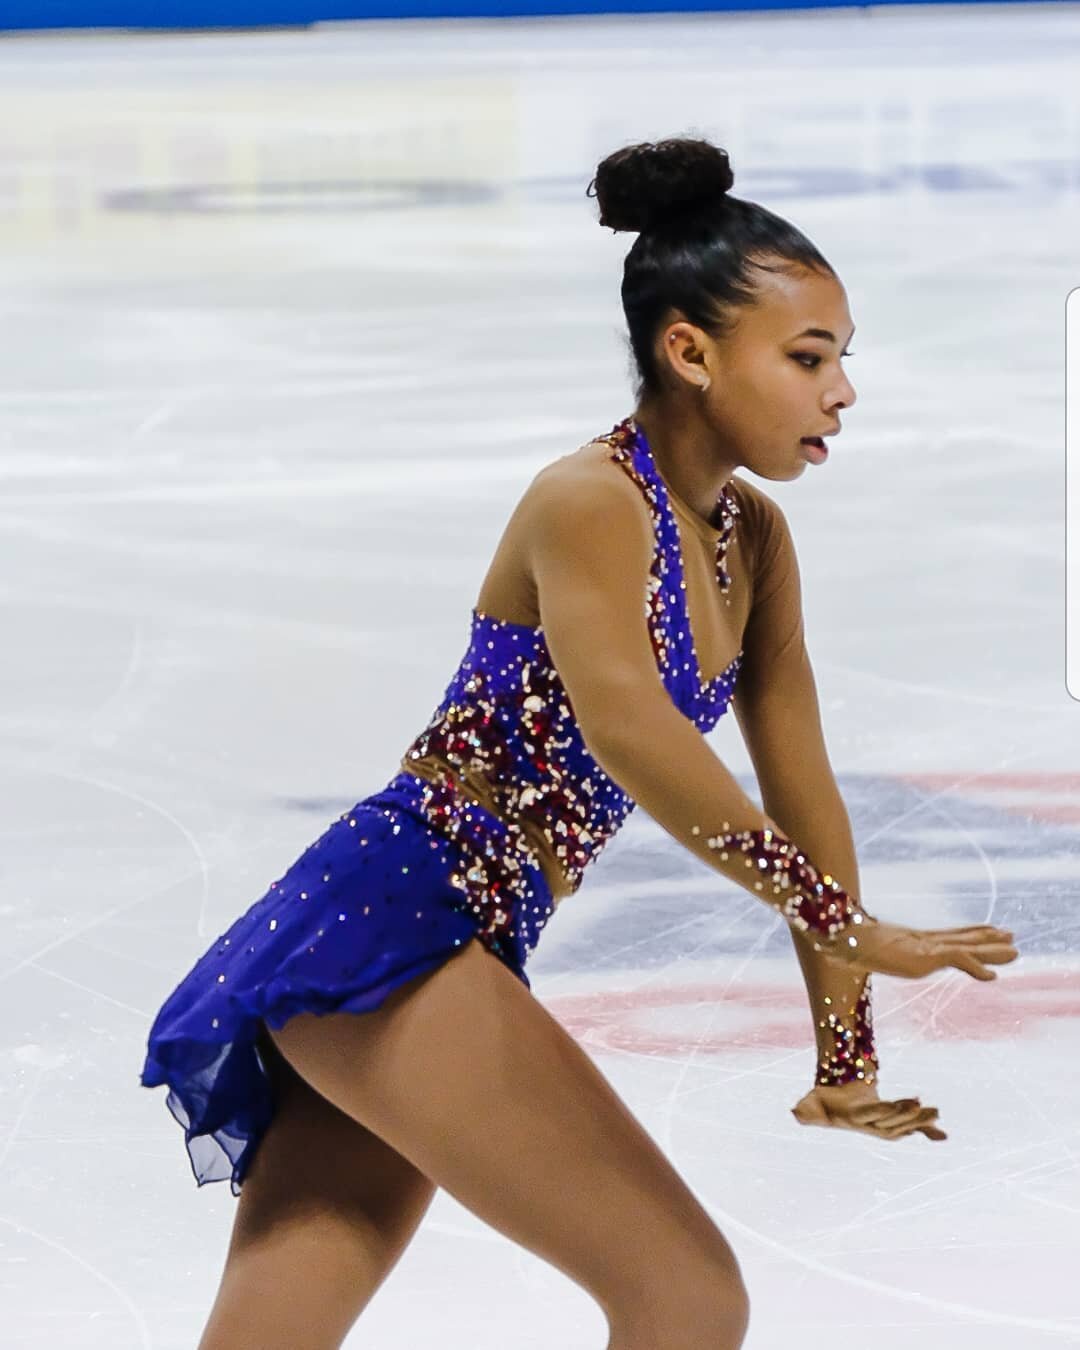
(291, 319)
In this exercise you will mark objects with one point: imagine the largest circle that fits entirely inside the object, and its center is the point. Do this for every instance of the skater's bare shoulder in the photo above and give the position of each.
(590, 550)
(575, 501)
(586, 489)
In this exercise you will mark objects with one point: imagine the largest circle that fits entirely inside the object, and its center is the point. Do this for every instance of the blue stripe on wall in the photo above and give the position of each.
(171, 14)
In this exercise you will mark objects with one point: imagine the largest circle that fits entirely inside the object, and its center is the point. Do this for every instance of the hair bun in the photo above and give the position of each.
(643, 187)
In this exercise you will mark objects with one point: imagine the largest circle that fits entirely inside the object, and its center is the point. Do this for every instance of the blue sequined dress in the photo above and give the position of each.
(497, 812)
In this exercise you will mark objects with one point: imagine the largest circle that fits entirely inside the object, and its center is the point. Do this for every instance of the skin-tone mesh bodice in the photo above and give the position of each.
(506, 726)
(559, 727)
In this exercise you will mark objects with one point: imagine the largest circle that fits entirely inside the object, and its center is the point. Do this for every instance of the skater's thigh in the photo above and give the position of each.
(468, 1076)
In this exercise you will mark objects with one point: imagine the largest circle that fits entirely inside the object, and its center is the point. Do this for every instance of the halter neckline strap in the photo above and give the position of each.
(727, 506)
(725, 500)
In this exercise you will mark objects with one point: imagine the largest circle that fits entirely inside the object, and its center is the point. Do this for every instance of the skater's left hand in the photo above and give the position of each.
(857, 1106)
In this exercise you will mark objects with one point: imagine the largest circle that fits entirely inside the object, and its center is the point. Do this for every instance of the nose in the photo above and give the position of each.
(843, 396)
(851, 395)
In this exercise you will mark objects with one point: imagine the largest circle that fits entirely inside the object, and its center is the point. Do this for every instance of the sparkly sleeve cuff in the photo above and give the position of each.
(816, 904)
(787, 880)
(845, 1039)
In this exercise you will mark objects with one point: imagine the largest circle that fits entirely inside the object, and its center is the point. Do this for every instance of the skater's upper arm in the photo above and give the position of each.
(591, 548)
(776, 702)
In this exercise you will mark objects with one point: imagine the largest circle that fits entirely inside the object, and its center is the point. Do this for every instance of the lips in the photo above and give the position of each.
(816, 450)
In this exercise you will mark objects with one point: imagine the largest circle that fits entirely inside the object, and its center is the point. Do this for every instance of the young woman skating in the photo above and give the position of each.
(366, 1032)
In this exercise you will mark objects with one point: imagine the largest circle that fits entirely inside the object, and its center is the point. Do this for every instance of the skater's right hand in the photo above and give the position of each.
(857, 1106)
(911, 953)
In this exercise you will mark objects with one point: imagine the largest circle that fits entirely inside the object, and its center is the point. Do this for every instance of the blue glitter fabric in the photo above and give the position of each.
(498, 810)
(370, 905)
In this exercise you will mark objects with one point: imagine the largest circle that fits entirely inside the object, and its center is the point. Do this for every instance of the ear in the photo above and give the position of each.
(683, 352)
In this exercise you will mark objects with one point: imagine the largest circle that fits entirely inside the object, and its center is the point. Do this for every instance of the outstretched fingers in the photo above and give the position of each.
(972, 950)
(895, 1120)
(919, 1120)
(982, 934)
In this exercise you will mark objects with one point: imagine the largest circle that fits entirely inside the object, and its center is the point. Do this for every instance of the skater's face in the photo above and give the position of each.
(776, 378)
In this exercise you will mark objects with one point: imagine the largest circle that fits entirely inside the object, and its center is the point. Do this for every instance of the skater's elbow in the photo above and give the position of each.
(617, 708)
(627, 725)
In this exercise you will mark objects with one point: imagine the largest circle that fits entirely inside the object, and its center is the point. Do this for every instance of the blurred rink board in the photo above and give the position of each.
(94, 159)
(136, 130)
(192, 14)
(262, 14)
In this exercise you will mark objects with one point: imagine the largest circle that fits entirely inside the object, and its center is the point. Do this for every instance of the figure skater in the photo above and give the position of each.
(366, 1032)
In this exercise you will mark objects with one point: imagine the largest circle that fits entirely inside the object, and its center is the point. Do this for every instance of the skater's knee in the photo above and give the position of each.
(734, 1319)
(722, 1320)
(719, 1309)
(708, 1312)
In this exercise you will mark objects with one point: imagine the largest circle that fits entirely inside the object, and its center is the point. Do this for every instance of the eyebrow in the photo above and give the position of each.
(820, 333)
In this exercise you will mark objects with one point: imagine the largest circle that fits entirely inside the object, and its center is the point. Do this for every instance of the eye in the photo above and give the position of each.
(811, 361)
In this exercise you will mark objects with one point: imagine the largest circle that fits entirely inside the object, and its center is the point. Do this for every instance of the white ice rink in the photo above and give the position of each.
(289, 322)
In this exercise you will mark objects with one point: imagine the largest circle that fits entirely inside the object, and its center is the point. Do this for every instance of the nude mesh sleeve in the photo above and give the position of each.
(777, 708)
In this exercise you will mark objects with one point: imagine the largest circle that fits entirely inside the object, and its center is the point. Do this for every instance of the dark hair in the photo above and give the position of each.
(697, 247)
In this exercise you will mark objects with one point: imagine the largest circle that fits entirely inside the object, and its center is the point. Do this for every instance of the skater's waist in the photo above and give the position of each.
(434, 769)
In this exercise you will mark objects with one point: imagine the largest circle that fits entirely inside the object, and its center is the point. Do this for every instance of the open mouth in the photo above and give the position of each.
(817, 452)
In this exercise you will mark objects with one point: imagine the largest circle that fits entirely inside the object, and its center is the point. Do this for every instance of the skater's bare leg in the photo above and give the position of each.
(468, 1076)
(324, 1214)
